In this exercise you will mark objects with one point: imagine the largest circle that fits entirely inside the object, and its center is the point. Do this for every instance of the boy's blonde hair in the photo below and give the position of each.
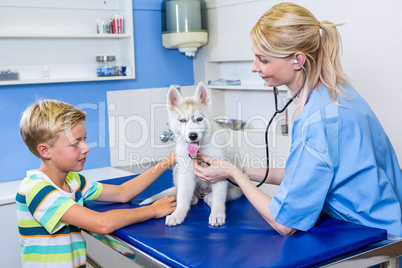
(288, 28)
(43, 121)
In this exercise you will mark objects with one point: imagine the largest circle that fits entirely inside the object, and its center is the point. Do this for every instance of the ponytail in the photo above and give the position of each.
(332, 74)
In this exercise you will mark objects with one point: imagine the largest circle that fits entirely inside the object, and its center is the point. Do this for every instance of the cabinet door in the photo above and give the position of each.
(229, 36)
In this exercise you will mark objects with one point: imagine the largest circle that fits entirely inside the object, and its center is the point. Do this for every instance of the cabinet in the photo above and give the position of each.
(63, 36)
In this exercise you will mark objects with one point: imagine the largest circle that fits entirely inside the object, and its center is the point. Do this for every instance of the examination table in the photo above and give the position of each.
(246, 240)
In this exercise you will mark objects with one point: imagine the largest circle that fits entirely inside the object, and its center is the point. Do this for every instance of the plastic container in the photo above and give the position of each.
(9, 76)
(183, 26)
(181, 16)
(46, 72)
(106, 65)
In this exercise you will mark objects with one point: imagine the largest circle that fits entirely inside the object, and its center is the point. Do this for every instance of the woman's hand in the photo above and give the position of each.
(213, 169)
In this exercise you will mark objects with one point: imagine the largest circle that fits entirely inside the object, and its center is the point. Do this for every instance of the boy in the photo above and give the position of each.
(50, 200)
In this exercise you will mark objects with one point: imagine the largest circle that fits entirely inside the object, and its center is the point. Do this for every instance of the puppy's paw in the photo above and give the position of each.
(217, 218)
(175, 219)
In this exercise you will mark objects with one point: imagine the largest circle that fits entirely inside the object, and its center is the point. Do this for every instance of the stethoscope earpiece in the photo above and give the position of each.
(295, 61)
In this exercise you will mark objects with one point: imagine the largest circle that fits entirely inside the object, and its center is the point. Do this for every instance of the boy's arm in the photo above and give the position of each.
(109, 221)
(130, 189)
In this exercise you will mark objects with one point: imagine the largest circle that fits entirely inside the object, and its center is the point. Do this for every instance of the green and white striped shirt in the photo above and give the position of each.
(45, 240)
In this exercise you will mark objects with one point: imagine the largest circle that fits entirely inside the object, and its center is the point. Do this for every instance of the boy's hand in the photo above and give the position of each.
(169, 161)
(172, 159)
(164, 206)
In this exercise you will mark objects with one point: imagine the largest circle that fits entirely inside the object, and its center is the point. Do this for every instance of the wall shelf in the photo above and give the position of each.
(63, 36)
(246, 87)
(234, 70)
(46, 81)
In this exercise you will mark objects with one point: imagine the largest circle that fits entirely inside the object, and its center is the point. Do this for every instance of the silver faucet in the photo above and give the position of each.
(166, 136)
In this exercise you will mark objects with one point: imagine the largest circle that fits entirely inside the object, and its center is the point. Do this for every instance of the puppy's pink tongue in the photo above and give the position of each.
(192, 148)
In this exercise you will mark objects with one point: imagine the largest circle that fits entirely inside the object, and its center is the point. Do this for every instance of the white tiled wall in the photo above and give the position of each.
(136, 120)
(138, 117)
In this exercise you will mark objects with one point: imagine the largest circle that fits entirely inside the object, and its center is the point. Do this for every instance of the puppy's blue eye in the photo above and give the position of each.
(182, 120)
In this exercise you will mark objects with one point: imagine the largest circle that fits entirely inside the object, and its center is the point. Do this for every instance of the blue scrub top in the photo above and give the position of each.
(341, 163)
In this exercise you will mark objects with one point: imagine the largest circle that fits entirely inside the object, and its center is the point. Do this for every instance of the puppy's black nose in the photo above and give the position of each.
(193, 136)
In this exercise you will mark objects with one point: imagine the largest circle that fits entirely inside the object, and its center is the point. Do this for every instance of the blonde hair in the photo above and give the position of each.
(288, 28)
(43, 121)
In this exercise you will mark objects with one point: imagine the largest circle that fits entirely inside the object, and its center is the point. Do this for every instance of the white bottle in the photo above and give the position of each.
(46, 72)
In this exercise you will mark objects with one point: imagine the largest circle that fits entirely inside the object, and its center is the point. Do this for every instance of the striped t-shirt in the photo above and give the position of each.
(45, 240)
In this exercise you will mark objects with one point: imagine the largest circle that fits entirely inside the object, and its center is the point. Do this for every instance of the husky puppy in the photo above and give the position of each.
(195, 131)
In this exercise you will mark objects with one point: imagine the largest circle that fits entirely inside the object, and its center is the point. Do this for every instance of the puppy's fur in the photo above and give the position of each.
(194, 129)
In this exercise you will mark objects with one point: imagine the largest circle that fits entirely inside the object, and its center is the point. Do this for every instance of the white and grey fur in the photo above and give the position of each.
(190, 120)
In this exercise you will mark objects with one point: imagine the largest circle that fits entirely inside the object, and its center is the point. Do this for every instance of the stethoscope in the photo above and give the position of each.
(277, 111)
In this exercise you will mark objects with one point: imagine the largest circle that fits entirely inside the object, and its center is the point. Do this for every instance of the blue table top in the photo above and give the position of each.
(246, 240)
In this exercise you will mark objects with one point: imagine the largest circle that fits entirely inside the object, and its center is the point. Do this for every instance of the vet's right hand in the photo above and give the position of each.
(164, 206)
(215, 170)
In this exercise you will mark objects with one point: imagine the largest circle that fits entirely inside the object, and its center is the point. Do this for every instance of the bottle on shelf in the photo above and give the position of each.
(46, 72)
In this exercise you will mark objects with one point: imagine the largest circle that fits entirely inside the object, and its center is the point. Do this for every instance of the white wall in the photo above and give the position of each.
(372, 43)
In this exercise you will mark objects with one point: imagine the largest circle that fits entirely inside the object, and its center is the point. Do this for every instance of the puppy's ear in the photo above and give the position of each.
(202, 94)
(174, 98)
